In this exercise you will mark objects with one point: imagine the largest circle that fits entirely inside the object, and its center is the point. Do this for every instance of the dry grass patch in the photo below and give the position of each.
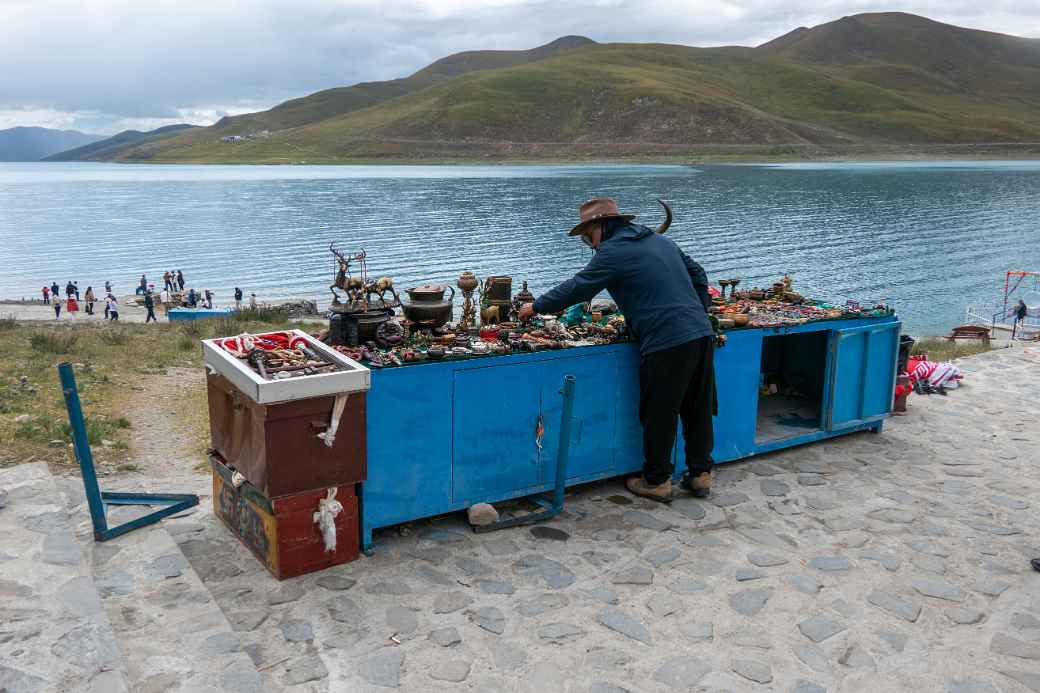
(111, 362)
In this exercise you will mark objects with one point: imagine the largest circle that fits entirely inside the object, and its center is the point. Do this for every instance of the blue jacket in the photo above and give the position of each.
(661, 291)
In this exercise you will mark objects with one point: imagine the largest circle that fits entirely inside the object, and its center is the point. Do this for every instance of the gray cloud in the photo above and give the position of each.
(109, 64)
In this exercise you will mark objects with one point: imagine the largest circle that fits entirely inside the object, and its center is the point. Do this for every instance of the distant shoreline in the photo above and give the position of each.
(544, 153)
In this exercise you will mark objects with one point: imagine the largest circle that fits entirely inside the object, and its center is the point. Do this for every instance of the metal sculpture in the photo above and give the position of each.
(468, 283)
(353, 287)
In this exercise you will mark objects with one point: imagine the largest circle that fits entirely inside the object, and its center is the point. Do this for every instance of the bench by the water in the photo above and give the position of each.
(969, 332)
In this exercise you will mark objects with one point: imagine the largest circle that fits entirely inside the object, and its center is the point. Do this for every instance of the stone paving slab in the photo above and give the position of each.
(902, 581)
(711, 595)
(54, 633)
(172, 632)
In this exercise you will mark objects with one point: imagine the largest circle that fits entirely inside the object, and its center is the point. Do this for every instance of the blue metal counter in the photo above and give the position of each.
(443, 436)
(181, 314)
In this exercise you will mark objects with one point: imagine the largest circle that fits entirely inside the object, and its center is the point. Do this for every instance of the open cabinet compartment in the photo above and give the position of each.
(792, 386)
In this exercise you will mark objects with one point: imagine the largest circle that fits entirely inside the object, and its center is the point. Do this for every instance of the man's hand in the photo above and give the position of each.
(526, 311)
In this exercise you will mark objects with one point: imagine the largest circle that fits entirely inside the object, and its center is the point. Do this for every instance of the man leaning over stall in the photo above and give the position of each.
(664, 297)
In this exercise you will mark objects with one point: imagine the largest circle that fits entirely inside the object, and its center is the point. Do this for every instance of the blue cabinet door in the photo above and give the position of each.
(628, 431)
(862, 373)
(495, 452)
(592, 428)
(737, 369)
(494, 449)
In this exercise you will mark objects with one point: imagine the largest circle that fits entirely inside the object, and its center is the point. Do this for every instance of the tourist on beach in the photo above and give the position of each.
(209, 299)
(56, 303)
(72, 306)
(180, 280)
(89, 300)
(46, 294)
(164, 298)
(238, 298)
(76, 285)
(167, 280)
(143, 288)
(54, 289)
(1020, 311)
(70, 290)
(149, 304)
(192, 299)
(108, 287)
(252, 301)
(664, 297)
(111, 308)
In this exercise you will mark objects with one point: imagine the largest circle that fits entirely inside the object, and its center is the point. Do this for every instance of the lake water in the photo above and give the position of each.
(929, 238)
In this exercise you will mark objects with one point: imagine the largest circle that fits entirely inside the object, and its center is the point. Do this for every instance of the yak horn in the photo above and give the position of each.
(667, 217)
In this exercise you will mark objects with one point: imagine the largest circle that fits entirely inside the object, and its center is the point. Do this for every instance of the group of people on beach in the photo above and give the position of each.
(52, 296)
(172, 295)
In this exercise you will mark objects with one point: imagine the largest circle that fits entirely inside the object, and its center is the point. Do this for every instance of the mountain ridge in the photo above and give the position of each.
(874, 78)
(31, 143)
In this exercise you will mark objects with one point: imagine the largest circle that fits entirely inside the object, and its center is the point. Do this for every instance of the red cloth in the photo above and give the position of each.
(72, 306)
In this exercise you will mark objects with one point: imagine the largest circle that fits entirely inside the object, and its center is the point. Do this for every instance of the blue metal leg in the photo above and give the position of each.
(554, 506)
(96, 499)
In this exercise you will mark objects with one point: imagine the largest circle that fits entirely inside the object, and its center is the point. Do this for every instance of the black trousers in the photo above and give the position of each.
(677, 383)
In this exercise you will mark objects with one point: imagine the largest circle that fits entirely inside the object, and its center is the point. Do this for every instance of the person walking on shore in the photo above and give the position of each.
(252, 301)
(238, 298)
(72, 306)
(664, 297)
(167, 280)
(54, 288)
(76, 286)
(149, 304)
(1020, 311)
(88, 298)
(46, 294)
(56, 304)
(180, 280)
(108, 288)
(70, 290)
(111, 308)
(209, 299)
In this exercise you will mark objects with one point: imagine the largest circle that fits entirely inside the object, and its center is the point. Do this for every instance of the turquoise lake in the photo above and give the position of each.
(928, 238)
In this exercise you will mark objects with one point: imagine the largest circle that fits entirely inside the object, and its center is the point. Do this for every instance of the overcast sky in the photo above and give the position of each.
(107, 65)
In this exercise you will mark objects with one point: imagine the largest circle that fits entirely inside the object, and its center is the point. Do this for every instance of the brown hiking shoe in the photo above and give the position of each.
(699, 486)
(661, 493)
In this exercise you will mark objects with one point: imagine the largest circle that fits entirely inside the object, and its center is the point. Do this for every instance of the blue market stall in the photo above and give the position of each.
(443, 436)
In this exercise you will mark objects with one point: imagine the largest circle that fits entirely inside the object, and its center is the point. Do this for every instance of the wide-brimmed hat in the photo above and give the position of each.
(598, 209)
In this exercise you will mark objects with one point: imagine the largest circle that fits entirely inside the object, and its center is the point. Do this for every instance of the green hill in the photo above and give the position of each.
(865, 81)
(115, 145)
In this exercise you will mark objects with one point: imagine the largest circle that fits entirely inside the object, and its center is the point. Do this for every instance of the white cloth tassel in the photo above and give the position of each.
(329, 435)
(237, 479)
(325, 518)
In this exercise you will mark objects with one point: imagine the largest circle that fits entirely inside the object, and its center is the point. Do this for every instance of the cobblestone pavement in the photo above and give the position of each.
(891, 562)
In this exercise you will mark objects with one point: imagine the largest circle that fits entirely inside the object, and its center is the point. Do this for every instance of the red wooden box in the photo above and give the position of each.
(276, 447)
(281, 531)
